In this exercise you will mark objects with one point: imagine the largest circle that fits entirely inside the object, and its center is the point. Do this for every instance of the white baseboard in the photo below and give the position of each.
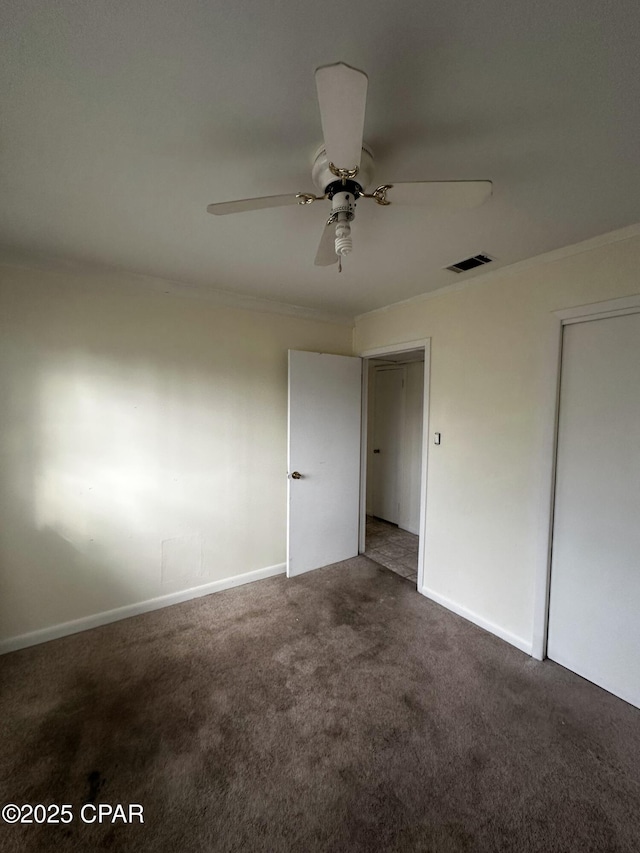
(460, 610)
(33, 638)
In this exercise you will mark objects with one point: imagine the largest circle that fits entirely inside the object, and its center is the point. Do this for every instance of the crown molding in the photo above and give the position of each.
(246, 302)
(627, 233)
(163, 286)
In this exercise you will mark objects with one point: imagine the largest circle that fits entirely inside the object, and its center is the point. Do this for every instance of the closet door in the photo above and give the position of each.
(387, 431)
(594, 609)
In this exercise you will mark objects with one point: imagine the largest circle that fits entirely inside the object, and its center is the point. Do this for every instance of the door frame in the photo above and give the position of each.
(553, 368)
(366, 356)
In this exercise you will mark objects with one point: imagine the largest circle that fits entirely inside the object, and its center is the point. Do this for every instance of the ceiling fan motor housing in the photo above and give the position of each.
(323, 177)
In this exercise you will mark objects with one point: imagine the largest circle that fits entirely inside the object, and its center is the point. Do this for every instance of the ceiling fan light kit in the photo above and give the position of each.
(343, 169)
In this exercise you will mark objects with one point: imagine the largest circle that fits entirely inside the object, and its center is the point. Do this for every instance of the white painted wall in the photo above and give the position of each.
(411, 468)
(494, 345)
(143, 442)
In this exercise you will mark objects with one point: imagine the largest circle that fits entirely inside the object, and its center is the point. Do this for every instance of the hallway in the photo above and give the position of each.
(392, 547)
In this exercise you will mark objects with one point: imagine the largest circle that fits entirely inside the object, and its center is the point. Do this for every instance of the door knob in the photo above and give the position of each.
(296, 475)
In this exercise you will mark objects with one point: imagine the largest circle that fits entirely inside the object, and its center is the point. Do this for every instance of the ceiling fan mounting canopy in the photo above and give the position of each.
(342, 169)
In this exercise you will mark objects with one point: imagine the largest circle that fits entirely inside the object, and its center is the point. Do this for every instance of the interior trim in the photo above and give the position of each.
(628, 233)
(480, 621)
(95, 620)
(542, 581)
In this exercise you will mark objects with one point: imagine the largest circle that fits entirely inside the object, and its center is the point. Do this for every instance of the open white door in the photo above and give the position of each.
(324, 450)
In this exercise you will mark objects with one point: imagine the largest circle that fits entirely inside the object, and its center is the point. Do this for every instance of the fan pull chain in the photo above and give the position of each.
(339, 263)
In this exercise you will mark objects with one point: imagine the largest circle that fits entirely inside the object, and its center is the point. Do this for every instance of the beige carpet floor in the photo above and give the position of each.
(339, 711)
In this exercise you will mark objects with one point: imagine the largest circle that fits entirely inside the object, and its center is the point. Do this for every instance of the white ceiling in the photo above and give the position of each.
(122, 121)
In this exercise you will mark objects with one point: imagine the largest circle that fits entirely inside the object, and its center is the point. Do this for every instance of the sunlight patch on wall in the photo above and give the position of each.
(121, 463)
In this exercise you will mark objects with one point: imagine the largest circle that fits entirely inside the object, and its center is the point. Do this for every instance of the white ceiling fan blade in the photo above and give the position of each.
(224, 207)
(342, 94)
(326, 254)
(440, 195)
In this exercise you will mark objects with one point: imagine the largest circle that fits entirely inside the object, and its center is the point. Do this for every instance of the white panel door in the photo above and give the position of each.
(324, 449)
(594, 608)
(387, 432)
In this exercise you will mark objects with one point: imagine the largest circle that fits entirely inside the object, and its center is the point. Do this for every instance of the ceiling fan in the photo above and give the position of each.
(343, 169)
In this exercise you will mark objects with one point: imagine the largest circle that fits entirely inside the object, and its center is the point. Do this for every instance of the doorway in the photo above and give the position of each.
(394, 460)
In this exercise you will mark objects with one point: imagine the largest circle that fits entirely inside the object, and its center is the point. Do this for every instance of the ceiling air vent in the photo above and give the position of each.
(470, 263)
